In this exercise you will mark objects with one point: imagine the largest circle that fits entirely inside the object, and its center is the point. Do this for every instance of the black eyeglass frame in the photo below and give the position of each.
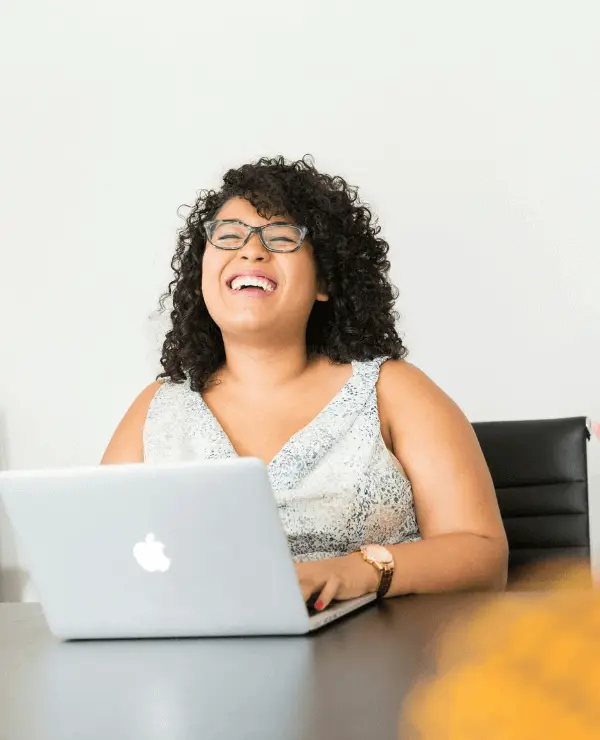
(255, 230)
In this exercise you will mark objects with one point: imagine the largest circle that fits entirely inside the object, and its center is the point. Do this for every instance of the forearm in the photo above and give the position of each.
(450, 562)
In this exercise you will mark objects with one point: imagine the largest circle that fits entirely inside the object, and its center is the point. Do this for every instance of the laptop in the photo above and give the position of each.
(186, 549)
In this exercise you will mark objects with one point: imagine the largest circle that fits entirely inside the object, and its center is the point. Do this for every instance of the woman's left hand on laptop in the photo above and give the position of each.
(341, 578)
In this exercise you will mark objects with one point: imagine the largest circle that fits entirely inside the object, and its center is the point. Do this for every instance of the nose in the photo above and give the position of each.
(254, 250)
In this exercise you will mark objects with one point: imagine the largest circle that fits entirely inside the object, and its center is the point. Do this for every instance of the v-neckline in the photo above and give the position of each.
(294, 438)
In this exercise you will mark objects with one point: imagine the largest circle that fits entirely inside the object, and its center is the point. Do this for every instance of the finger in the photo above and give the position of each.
(309, 584)
(308, 589)
(328, 593)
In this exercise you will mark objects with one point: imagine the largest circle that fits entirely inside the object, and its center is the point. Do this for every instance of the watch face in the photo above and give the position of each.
(378, 553)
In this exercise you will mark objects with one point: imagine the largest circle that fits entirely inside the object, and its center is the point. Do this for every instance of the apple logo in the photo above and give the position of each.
(150, 554)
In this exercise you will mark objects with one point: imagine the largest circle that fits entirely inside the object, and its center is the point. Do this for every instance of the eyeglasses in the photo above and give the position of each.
(275, 237)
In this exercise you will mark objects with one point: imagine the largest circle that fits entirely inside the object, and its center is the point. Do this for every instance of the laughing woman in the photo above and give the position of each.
(283, 313)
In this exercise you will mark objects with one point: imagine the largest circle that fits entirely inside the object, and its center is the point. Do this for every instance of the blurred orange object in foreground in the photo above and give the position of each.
(522, 667)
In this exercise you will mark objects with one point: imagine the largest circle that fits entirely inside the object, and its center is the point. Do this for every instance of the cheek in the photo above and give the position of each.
(305, 274)
(213, 264)
(212, 268)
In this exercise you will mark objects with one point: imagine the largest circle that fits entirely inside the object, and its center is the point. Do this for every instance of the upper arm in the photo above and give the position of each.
(127, 443)
(440, 453)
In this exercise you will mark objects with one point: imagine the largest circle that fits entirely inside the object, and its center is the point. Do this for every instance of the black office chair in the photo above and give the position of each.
(539, 469)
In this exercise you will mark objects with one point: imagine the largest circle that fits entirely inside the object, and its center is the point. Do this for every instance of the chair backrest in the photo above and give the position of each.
(539, 469)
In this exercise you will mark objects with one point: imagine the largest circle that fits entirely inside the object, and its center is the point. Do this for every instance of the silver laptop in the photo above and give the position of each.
(173, 550)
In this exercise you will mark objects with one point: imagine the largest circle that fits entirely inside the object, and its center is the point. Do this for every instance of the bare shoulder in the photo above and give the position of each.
(416, 411)
(127, 444)
(404, 386)
(394, 372)
(139, 408)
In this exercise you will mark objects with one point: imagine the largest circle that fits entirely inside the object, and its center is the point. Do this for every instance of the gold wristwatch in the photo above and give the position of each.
(383, 560)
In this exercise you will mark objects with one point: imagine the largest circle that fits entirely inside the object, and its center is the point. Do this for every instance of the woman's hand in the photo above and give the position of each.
(337, 578)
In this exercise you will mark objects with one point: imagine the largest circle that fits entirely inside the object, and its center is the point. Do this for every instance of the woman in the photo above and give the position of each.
(283, 346)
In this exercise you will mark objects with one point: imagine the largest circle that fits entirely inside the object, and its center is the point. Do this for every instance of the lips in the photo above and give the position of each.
(251, 273)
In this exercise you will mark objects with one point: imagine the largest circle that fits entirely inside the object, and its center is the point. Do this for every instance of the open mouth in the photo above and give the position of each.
(252, 285)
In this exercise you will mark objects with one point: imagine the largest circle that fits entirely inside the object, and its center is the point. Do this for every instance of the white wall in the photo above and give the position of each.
(472, 128)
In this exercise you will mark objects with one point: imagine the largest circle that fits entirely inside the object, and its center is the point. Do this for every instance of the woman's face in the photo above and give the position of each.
(290, 278)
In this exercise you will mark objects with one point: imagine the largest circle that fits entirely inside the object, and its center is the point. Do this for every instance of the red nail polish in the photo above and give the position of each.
(319, 605)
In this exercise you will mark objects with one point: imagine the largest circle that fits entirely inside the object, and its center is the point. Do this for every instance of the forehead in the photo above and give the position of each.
(244, 211)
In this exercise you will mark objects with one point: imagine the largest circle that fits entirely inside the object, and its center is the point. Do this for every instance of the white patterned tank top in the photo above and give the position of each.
(336, 485)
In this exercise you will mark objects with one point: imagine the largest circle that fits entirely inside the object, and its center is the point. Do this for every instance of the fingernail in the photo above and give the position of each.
(319, 605)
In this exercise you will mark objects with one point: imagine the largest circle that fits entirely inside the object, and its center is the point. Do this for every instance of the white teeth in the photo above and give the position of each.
(250, 281)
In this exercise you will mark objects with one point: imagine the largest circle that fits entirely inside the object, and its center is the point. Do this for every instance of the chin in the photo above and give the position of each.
(246, 327)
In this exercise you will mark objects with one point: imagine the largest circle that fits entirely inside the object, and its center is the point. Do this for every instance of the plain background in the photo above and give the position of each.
(472, 129)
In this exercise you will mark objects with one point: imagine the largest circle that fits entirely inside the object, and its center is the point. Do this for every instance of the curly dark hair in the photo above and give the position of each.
(358, 322)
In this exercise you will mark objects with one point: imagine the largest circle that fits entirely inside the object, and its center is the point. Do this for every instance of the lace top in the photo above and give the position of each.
(335, 483)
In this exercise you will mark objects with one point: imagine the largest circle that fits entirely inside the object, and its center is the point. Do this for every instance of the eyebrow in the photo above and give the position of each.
(269, 223)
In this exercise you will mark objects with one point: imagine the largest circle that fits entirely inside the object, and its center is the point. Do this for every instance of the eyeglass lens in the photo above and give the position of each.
(282, 237)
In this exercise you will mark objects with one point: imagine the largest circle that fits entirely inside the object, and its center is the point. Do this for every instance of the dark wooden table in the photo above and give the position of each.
(347, 681)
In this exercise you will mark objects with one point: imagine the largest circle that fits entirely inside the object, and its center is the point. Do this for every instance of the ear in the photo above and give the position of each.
(322, 294)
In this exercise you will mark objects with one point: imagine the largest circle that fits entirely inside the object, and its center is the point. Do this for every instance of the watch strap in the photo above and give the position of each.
(385, 580)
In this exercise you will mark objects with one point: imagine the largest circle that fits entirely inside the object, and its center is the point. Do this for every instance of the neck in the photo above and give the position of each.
(258, 368)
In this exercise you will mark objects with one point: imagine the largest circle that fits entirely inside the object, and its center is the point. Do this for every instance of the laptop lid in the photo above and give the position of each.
(143, 550)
